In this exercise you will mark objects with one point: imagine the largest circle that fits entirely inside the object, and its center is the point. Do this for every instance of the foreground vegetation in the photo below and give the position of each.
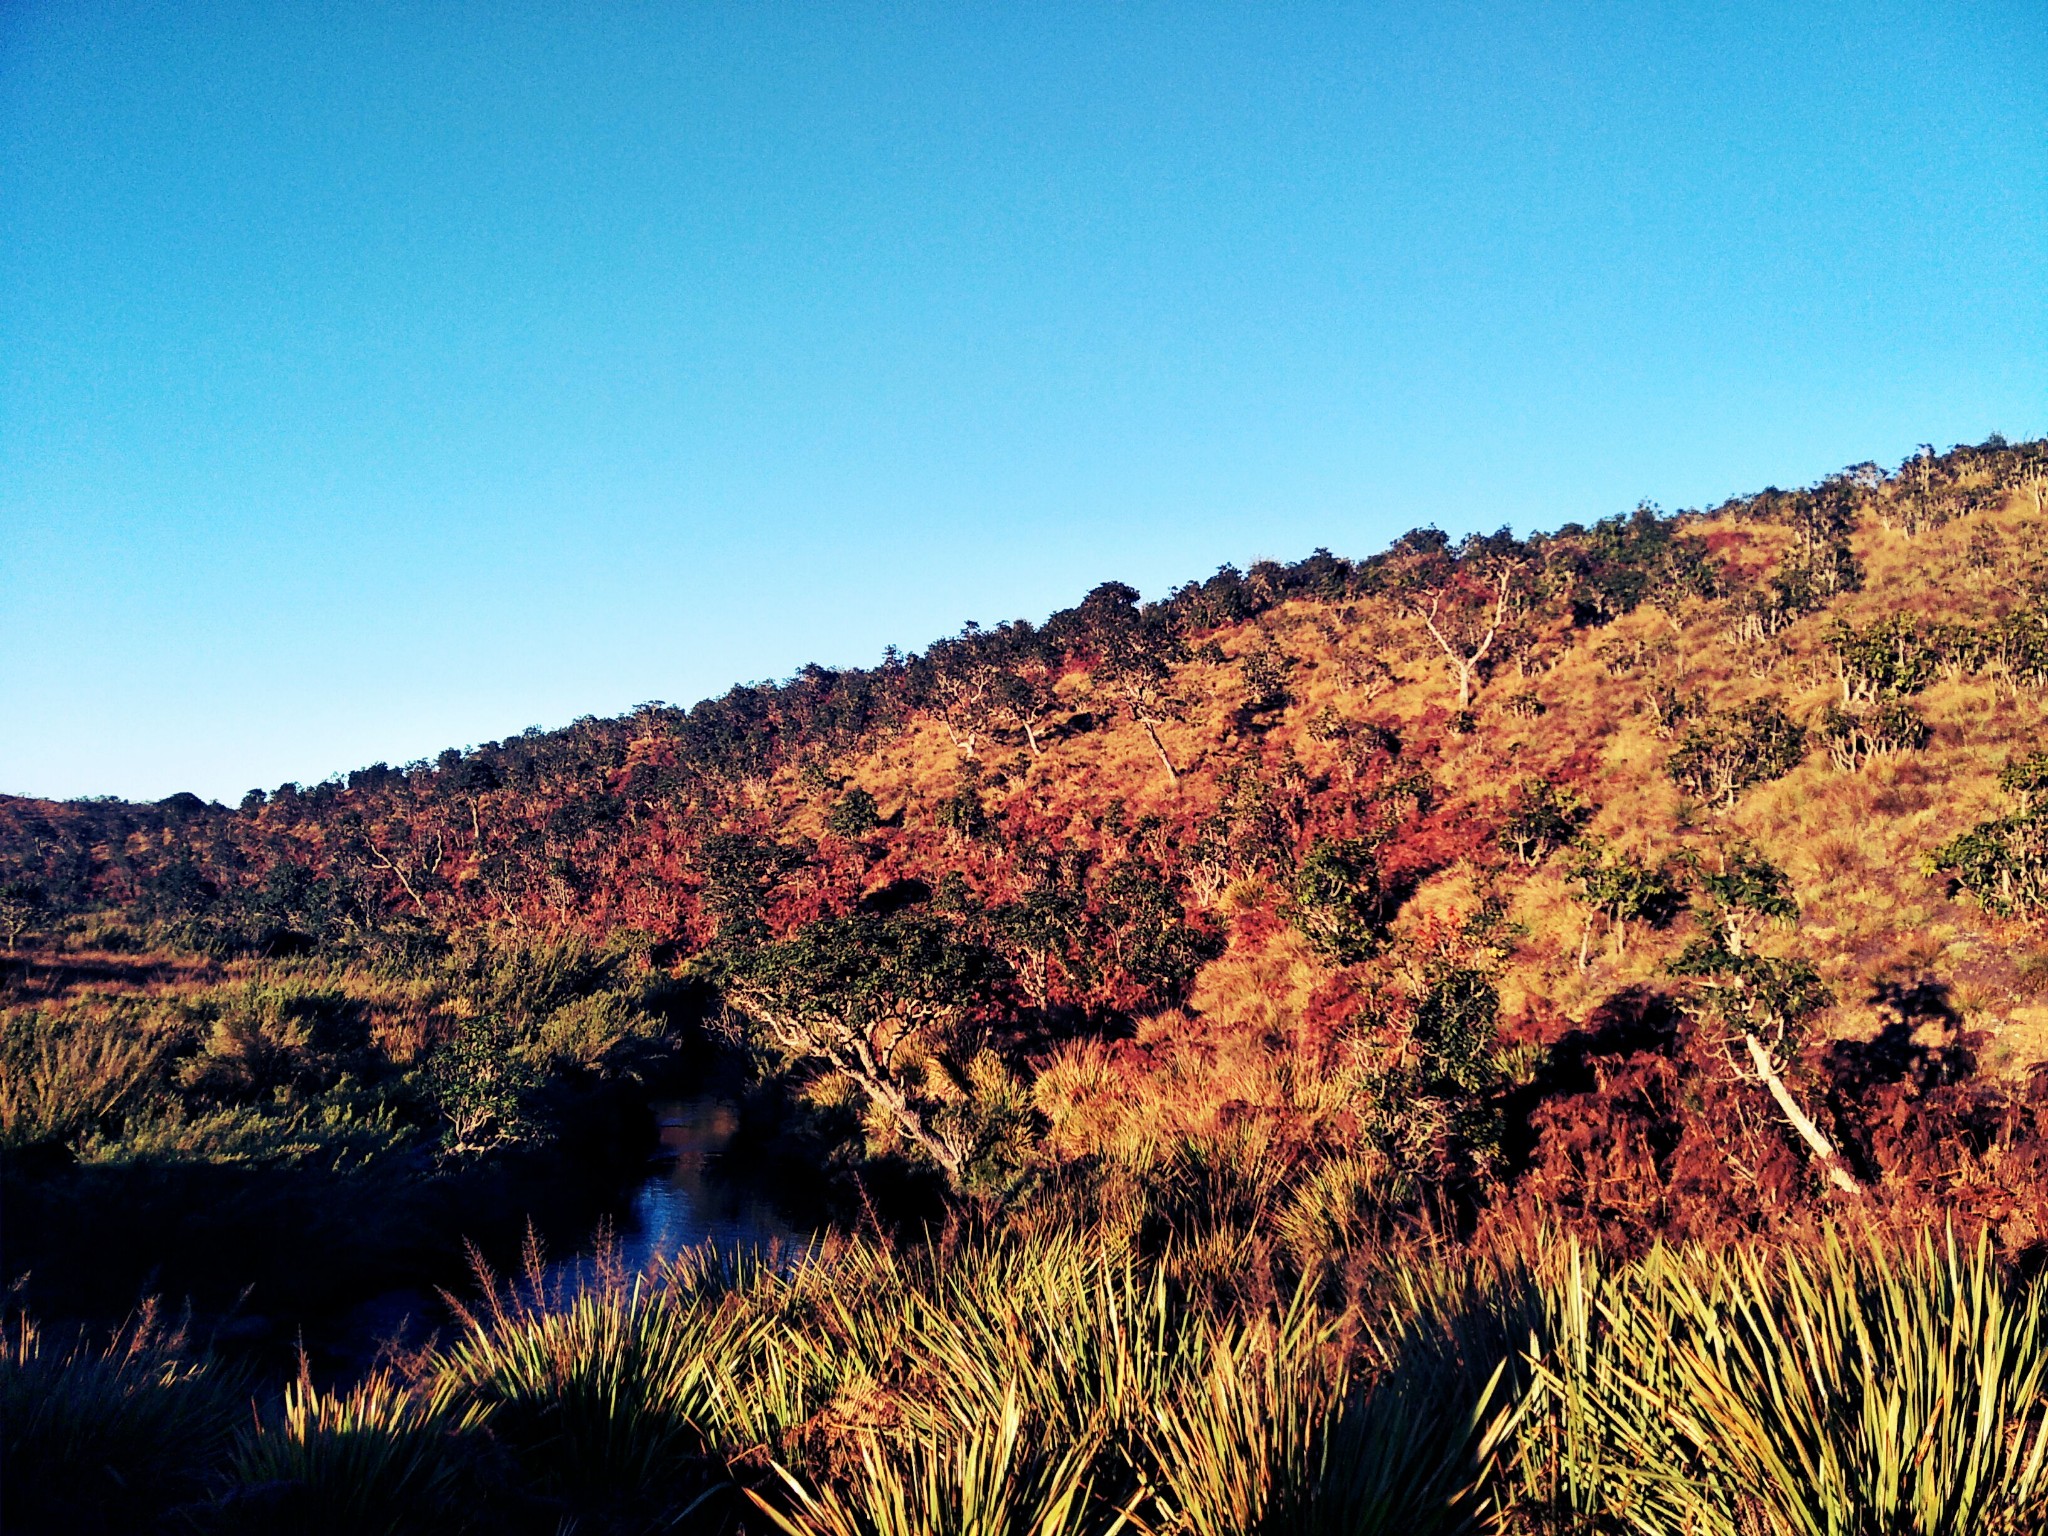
(273, 1141)
(1059, 1384)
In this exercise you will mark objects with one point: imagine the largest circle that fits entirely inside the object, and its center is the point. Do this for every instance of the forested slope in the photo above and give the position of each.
(1461, 879)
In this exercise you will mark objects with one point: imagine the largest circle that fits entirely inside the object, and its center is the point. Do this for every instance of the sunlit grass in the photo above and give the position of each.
(1061, 1385)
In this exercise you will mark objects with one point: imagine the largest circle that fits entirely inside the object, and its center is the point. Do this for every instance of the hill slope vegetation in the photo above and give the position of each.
(1673, 877)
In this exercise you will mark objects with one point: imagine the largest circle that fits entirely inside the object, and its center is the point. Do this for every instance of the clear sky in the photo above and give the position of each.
(379, 378)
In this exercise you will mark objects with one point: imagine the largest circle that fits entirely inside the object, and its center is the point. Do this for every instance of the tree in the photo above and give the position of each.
(962, 813)
(21, 903)
(1025, 695)
(1745, 893)
(854, 814)
(1724, 753)
(1888, 659)
(1541, 818)
(740, 874)
(1624, 889)
(964, 682)
(1761, 1000)
(1855, 738)
(1436, 1111)
(1036, 930)
(1264, 669)
(398, 848)
(1466, 611)
(1134, 654)
(480, 1083)
(2003, 862)
(474, 778)
(888, 1001)
(1339, 899)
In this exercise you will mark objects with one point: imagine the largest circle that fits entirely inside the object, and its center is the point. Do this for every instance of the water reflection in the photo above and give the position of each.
(693, 1199)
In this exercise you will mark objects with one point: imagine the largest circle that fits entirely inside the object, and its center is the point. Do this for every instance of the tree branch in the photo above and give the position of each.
(385, 862)
(1809, 1133)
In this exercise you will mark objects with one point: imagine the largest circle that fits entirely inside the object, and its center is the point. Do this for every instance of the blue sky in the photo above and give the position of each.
(378, 378)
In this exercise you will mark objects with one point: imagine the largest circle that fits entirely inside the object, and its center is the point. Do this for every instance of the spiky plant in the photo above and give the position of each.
(104, 1437)
(983, 1479)
(616, 1392)
(1281, 1434)
(1862, 1388)
(378, 1459)
(1595, 1448)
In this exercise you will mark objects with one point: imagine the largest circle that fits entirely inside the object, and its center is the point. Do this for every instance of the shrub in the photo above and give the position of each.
(590, 1031)
(2003, 862)
(479, 1083)
(1540, 819)
(985, 1479)
(1278, 1434)
(1855, 739)
(66, 1074)
(1724, 753)
(106, 1438)
(378, 1459)
(854, 814)
(1339, 902)
(1887, 659)
(1625, 889)
(602, 1397)
(1863, 1388)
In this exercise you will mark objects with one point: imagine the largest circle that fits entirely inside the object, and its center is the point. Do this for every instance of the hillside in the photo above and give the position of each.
(1246, 866)
(1674, 877)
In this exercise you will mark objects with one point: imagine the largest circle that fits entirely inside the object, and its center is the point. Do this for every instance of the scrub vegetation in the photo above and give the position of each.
(1509, 1034)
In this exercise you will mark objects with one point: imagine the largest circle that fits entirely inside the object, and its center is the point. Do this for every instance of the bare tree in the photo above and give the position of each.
(1466, 619)
(409, 864)
(965, 683)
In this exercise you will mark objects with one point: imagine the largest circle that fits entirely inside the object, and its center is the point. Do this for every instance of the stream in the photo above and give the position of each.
(690, 1199)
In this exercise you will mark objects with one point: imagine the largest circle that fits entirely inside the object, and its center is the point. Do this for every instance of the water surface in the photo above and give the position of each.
(694, 1197)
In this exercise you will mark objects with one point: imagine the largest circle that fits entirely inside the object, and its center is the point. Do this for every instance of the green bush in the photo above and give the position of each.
(1855, 737)
(2003, 862)
(1887, 659)
(1626, 889)
(1722, 754)
(1541, 818)
(66, 1073)
(1338, 902)
(854, 814)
